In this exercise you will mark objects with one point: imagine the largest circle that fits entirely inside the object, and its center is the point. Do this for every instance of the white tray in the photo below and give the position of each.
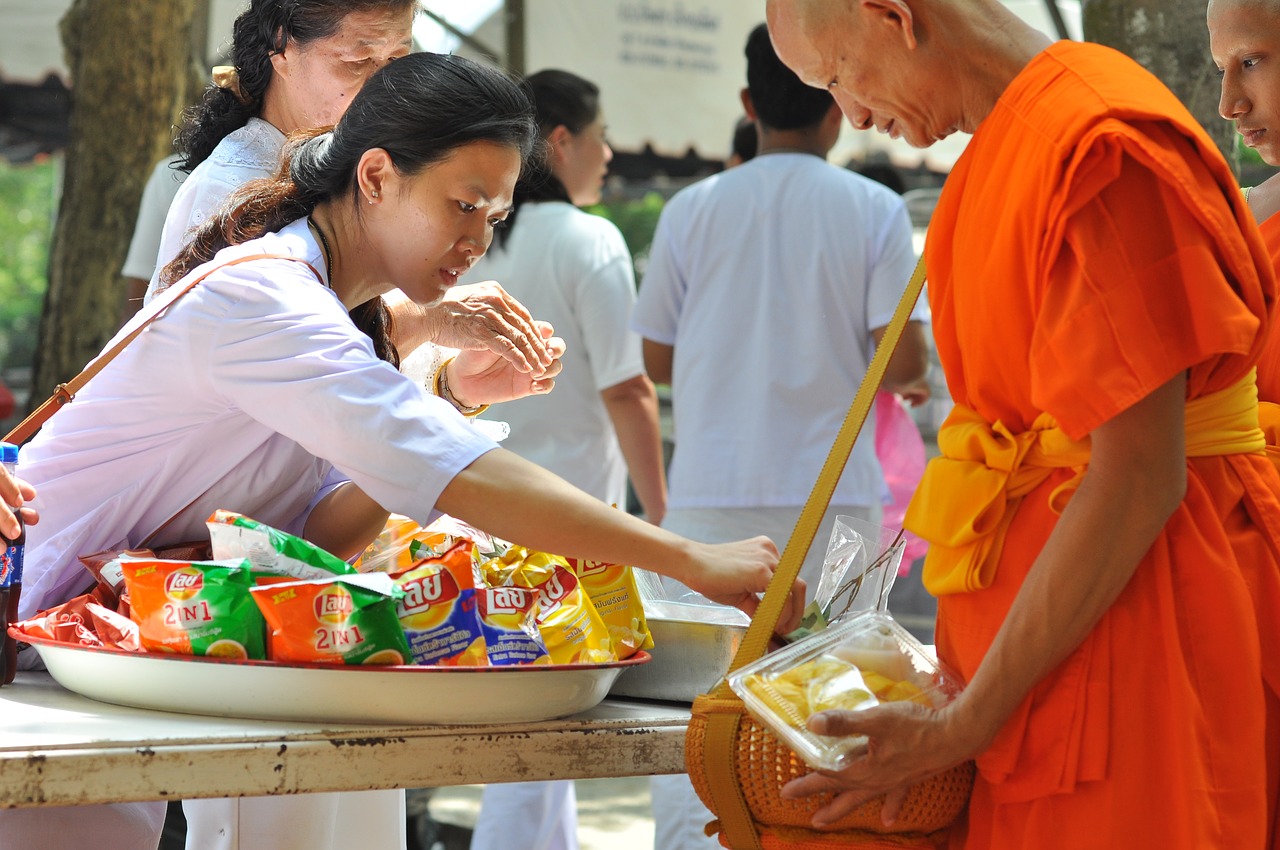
(329, 693)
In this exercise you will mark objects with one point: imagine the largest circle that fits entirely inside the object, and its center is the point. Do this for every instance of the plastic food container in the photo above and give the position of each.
(852, 665)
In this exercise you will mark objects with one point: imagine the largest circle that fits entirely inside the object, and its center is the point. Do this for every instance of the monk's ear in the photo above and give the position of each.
(894, 15)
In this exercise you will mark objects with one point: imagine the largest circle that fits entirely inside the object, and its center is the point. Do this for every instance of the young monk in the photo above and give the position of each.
(1102, 513)
(1244, 38)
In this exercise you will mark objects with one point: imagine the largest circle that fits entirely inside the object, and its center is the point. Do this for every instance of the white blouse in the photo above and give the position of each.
(247, 394)
(250, 153)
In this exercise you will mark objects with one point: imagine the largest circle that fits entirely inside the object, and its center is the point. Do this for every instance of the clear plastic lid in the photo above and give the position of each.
(852, 665)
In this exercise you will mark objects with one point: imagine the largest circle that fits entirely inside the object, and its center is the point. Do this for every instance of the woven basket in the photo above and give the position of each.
(764, 764)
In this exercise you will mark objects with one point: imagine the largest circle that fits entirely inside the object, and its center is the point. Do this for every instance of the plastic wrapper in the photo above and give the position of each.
(570, 626)
(339, 620)
(862, 661)
(268, 549)
(195, 607)
(84, 621)
(612, 589)
(403, 543)
(437, 610)
(858, 571)
(508, 619)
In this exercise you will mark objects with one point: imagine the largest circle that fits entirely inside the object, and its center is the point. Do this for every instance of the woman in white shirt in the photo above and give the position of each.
(257, 391)
(572, 269)
(296, 65)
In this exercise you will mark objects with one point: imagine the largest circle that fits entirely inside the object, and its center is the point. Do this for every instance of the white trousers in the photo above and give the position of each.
(527, 816)
(120, 826)
(368, 820)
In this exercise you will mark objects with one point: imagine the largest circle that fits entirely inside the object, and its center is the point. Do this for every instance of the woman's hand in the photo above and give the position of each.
(488, 377)
(478, 316)
(907, 743)
(737, 573)
(14, 494)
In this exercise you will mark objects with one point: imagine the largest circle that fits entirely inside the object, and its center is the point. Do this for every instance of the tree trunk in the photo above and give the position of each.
(130, 65)
(1170, 39)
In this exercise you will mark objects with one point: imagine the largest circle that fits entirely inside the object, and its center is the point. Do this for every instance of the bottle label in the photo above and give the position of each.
(11, 565)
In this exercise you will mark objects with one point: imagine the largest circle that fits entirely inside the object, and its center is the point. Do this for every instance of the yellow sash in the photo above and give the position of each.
(969, 494)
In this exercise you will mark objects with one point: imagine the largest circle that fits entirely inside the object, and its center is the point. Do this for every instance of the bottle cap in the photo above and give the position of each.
(8, 453)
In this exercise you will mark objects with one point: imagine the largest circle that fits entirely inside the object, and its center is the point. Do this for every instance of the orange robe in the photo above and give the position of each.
(1089, 245)
(1269, 361)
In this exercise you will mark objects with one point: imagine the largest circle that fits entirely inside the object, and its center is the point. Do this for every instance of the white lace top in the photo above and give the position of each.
(250, 153)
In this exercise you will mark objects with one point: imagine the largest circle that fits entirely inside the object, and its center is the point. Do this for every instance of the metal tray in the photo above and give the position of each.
(326, 692)
(688, 659)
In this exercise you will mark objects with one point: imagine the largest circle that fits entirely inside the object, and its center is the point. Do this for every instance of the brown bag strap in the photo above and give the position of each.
(64, 393)
(722, 707)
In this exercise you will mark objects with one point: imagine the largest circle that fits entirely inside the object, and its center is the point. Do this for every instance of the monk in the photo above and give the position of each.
(1103, 521)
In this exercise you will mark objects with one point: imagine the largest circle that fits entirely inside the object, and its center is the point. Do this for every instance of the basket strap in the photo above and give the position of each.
(736, 823)
(64, 393)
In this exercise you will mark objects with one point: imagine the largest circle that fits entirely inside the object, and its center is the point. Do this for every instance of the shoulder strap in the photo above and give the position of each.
(64, 393)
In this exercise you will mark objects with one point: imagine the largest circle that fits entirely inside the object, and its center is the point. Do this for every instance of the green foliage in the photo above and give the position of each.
(26, 225)
(1246, 155)
(637, 219)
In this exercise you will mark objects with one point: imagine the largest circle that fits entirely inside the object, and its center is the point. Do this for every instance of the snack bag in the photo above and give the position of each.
(194, 607)
(570, 625)
(401, 545)
(438, 610)
(234, 535)
(508, 620)
(338, 620)
(612, 589)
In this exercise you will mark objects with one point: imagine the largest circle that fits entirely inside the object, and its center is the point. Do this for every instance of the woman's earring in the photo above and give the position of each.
(373, 196)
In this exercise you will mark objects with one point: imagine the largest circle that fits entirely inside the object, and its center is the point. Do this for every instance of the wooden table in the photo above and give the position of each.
(58, 748)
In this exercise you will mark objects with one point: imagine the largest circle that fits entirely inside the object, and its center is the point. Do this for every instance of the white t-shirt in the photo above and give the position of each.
(246, 395)
(571, 269)
(768, 280)
(249, 153)
(158, 194)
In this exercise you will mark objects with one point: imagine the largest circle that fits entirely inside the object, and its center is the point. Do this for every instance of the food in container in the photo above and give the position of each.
(852, 665)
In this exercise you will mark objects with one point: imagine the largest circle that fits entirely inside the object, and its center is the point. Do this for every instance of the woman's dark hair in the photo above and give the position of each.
(559, 99)
(419, 109)
(263, 30)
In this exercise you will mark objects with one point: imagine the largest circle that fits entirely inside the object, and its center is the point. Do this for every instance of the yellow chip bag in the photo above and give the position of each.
(567, 618)
(613, 590)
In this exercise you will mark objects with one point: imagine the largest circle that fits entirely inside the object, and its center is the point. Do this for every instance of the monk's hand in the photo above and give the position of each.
(484, 316)
(14, 495)
(906, 743)
(486, 377)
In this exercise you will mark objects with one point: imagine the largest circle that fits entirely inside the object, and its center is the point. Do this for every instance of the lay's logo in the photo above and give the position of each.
(183, 583)
(425, 591)
(585, 569)
(556, 588)
(334, 604)
(507, 600)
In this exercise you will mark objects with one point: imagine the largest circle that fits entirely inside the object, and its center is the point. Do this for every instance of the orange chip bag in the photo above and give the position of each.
(438, 610)
(508, 620)
(339, 620)
(194, 607)
(614, 592)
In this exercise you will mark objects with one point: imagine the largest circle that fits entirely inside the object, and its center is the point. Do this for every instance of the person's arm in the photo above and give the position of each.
(633, 408)
(658, 358)
(909, 366)
(345, 521)
(514, 499)
(480, 316)
(1137, 477)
